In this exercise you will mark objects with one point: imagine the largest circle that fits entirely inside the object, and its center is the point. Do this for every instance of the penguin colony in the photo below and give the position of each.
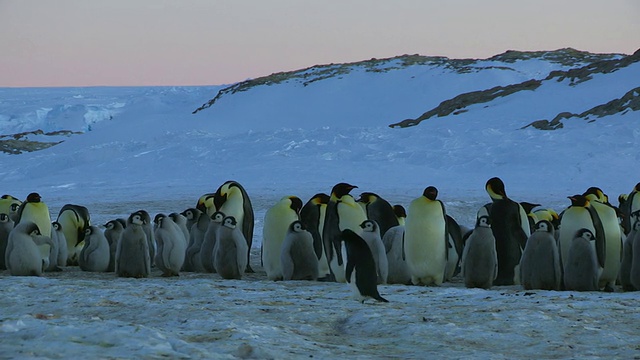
(591, 245)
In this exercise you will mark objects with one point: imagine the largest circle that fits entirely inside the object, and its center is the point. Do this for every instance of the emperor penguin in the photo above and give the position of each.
(510, 228)
(35, 210)
(277, 221)
(531, 216)
(540, 264)
(627, 259)
(480, 258)
(298, 257)
(22, 256)
(230, 258)
(73, 219)
(378, 210)
(172, 246)
(426, 239)
(200, 225)
(630, 203)
(371, 235)
(192, 215)
(549, 215)
(401, 214)
(232, 199)
(147, 226)
(397, 265)
(343, 212)
(612, 237)
(57, 235)
(113, 230)
(360, 268)
(209, 241)
(312, 216)
(7, 202)
(634, 273)
(206, 203)
(132, 253)
(55, 256)
(455, 246)
(581, 269)
(181, 221)
(95, 253)
(6, 225)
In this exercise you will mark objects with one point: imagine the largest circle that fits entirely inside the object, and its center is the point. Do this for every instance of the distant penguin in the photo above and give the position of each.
(230, 258)
(181, 221)
(57, 235)
(7, 202)
(343, 212)
(298, 257)
(480, 259)
(277, 221)
(6, 225)
(35, 210)
(581, 267)
(510, 228)
(132, 254)
(379, 210)
(73, 219)
(171, 246)
(312, 216)
(112, 232)
(540, 264)
(360, 268)
(22, 256)
(371, 235)
(209, 241)
(232, 199)
(393, 242)
(95, 254)
(147, 226)
(627, 259)
(196, 237)
(426, 239)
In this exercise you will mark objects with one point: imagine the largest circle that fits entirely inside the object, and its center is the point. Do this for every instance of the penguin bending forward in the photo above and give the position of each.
(360, 269)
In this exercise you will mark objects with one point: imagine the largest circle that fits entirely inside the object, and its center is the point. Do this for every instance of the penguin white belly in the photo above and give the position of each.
(351, 215)
(323, 263)
(609, 220)
(574, 219)
(425, 247)
(276, 223)
(352, 281)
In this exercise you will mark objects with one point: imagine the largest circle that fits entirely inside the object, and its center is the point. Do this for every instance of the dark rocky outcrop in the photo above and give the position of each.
(20, 142)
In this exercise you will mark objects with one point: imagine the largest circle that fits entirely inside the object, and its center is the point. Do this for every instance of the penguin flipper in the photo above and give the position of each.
(601, 245)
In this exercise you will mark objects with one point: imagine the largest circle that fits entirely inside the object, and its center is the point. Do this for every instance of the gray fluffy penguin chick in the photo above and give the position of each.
(54, 252)
(540, 264)
(627, 259)
(298, 258)
(209, 242)
(113, 230)
(371, 234)
(95, 253)
(196, 237)
(581, 271)
(181, 221)
(63, 250)
(230, 252)
(171, 246)
(148, 231)
(393, 244)
(22, 256)
(132, 253)
(480, 258)
(6, 225)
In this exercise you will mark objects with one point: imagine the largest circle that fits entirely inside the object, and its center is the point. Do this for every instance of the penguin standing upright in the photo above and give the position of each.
(229, 256)
(209, 241)
(112, 232)
(312, 216)
(612, 237)
(171, 246)
(360, 268)
(95, 253)
(58, 252)
(35, 210)
(371, 235)
(393, 242)
(627, 258)
(232, 199)
(343, 212)
(629, 203)
(510, 228)
(22, 256)
(147, 226)
(193, 261)
(634, 273)
(540, 263)
(6, 225)
(277, 221)
(426, 239)
(132, 253)
(479, 258)
(181, 221)
(581, 269)
(298, 257)
(73, 219)
(379, 210)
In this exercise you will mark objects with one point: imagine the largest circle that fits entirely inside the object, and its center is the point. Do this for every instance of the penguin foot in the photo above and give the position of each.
(608, 288)
(249, 269)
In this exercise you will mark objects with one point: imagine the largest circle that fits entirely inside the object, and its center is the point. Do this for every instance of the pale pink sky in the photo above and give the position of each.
(198, 42)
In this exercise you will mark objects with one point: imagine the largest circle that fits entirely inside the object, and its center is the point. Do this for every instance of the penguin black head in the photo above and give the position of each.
(579, 200)
(136, 218)
(528, 207)
(369, 225)
(400, 211)
(88, 231)
(296, 204)
(111, 224)
(368, 197)
(230, 222)
(320, 198)
(192, 213)
(544, 226)
(586, 234)
(56, 226)
(597, 193)
(32, 229)
(217, 216)
(430, 193)
(158, 218)
(495, 188)
(4, 217)
(8, 197)
(34, 198)
(342, 189)
(297, 226)
(14, 207)
(145, 216)
(483, 221)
